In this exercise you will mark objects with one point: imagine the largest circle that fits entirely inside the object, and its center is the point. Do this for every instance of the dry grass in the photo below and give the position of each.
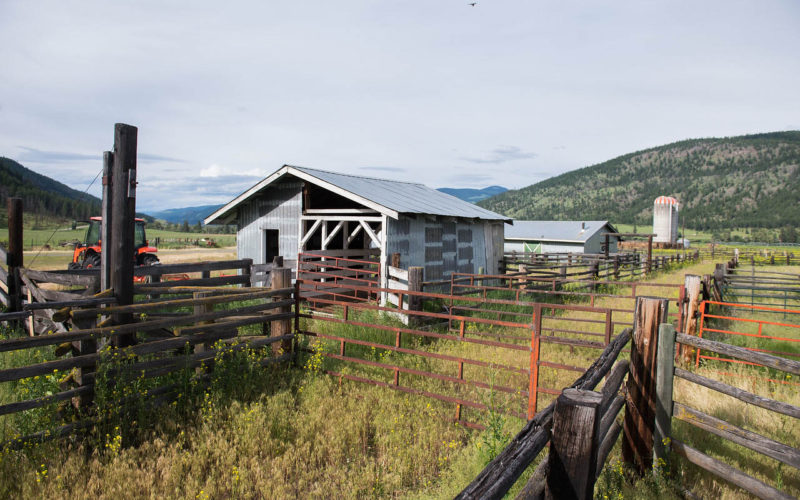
(304, 435)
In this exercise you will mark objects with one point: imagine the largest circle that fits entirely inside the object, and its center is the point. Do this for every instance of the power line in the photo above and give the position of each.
(59, 228)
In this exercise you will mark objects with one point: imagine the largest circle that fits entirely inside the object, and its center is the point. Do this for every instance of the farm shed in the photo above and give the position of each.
(298, 209)
(567, 236)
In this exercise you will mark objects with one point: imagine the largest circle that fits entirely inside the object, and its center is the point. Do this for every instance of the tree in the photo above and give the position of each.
(788, 234)
(185, 226)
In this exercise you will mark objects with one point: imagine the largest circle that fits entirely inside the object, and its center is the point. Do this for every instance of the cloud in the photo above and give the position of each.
(384, 169)
(503, 154)
(34, 155)
(215, 170)
(465, 179)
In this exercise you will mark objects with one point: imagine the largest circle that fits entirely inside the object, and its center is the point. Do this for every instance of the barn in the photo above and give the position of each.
(299, 210)
(563, 236)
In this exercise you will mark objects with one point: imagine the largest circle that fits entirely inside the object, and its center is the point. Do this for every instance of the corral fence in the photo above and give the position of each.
(172, 327)
(759, 286)
(620, 266)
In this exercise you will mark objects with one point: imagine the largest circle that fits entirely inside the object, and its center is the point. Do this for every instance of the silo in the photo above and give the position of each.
(665, 219)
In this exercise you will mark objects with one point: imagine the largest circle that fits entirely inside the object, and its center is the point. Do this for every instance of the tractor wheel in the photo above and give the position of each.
(149, 259)
(73, 266)
(91, 260)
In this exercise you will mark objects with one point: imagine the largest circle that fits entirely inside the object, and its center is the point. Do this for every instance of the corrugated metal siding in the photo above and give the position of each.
(278, 208)
(440, 246)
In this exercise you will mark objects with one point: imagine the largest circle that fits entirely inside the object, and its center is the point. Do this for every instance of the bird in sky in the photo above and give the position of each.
(473, 4)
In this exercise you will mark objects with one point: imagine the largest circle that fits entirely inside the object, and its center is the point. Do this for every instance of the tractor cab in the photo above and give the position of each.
(87, 254)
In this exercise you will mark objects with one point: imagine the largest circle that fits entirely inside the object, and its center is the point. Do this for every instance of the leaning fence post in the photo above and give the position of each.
(665, 370)
(637, 444)
(573, 447)
(15, 252)
(692, 285)
(415, 279)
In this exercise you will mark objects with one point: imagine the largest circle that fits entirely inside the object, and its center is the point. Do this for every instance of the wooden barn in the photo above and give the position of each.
(303, 210)
(567, 236)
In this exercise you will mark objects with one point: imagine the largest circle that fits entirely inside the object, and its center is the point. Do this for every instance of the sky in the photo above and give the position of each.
(504, 92)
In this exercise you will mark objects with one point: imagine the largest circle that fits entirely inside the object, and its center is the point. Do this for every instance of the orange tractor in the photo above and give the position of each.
(87, 254)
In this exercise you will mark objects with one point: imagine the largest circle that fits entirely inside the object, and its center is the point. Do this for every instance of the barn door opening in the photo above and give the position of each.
(271, 247)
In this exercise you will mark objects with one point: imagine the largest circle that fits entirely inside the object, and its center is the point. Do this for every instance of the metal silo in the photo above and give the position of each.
(665, 219)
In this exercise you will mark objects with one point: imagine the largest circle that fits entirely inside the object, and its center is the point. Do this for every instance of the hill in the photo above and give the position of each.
(744, 181)
(474, 195)
(192, 215)
(41, 195)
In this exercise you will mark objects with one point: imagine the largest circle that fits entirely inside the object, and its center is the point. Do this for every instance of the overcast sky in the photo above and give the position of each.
(439, 92)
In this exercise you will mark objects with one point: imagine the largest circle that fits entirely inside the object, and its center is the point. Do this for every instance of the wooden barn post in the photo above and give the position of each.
(123, 202)
(640, 404)
(15, 253)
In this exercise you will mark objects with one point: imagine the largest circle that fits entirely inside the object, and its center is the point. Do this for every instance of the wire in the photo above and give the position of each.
(60, 228)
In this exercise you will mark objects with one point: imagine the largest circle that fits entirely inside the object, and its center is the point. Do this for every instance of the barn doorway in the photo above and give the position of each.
(271, 245)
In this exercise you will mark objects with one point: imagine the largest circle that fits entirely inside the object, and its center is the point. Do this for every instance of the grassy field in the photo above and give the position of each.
(303, 434)
(34, 239)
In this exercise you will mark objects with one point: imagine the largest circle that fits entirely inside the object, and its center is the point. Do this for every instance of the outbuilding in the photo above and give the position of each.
(567, 236)
(298, 209)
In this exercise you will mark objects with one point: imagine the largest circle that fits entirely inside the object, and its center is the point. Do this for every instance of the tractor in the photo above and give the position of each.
(87, 254)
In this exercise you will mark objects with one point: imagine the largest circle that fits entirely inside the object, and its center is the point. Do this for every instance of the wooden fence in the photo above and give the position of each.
(668, 410)
(176, 326)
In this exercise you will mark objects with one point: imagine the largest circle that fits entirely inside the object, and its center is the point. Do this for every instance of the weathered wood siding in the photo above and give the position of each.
(278, 207)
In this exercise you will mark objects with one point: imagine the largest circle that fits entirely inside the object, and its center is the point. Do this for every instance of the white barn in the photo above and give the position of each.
(545, 236)
(298, 209)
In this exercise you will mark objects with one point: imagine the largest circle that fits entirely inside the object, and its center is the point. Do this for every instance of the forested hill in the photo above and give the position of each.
(745, 181)
(42, 195)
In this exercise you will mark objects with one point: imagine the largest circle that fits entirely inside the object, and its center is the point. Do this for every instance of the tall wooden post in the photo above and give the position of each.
(105, 227)
(649, 253)
(282, 278)
(665, 371)
(123, 208)
(15, 253)
(640, 405)
(573, 447)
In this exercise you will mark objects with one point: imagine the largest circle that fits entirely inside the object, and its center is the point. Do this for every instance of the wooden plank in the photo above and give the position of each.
(572, 445)
(728, 473)
(62, 278)
(397, 273)
(609, 416)
(281, 280)
(3, 255)
(740, 394)
(198, 267)
(742, 437)
(44, 400)
(768, 360)
(637, 445)
(152, 306)
(69, 303)
(111, 331)
(665, 371)
(605, 446)
(218, 281)
(396, 285)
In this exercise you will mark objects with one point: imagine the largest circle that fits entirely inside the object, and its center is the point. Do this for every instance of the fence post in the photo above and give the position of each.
(665, 370)
(281, 278)
(201, 309)
(15, 253)
(573, 447)
(637, 444)
(533, 382)
(692, 285)
(106, 236)
(123, 201)
(415, 279)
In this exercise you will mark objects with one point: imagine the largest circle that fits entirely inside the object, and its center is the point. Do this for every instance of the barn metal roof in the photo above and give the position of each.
(572, 231)
(385, 196)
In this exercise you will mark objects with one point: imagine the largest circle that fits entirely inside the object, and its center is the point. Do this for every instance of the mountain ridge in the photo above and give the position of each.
(728, 182)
